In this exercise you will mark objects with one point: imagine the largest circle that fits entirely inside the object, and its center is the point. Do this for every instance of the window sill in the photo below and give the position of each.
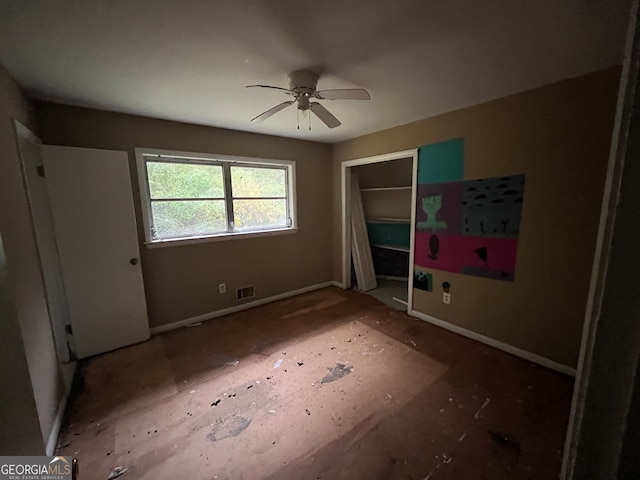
(178, 242)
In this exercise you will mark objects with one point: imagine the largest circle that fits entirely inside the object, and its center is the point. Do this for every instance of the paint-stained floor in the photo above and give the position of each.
(327, 385)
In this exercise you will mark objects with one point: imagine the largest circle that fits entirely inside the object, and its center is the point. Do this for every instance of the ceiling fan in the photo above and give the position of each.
(302, 86)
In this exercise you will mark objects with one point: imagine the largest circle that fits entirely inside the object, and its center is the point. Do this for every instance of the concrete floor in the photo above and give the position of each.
(360, 391)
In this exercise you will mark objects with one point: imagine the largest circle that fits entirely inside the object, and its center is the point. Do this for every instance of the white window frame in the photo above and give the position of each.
(144, 154)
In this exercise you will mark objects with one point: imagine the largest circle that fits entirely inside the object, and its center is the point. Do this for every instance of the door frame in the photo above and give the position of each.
(58, 325)
(604, 397)
(345, 183)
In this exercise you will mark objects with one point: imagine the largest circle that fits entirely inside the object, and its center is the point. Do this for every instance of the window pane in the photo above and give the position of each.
(188, 218)
(184, 180)
(259, 214)
(258, 182)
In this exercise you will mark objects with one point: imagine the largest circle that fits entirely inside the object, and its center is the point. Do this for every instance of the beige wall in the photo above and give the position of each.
(29, 365)
(558, 135)
(182, 281)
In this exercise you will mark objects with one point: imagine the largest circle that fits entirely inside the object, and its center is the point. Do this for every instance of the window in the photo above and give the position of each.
(188, 196)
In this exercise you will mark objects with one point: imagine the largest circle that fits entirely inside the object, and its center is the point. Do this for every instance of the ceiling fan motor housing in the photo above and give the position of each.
(303, 82)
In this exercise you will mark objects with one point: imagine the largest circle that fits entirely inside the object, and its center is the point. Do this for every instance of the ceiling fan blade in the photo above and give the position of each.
(344, 94)
(324, 115)
(286, 90)
(272, 111)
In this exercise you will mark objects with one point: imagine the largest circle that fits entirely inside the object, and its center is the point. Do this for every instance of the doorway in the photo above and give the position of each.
(47, 247)
(386, 186)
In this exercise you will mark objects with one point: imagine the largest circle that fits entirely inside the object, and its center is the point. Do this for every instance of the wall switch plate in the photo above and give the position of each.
(222, 288)
(446, 298)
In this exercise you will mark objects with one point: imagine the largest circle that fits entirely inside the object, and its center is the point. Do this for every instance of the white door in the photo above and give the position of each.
(94, 220)
(30, 155)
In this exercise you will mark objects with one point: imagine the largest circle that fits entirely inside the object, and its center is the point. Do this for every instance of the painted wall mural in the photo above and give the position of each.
(465, 226)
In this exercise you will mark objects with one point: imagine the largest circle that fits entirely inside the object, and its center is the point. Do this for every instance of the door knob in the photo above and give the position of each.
(133, 261)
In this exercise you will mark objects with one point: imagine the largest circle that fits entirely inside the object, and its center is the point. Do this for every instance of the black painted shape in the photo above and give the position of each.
(434, 247)
(481, 196)
(422, 281)
(510, 192)
(482, 253)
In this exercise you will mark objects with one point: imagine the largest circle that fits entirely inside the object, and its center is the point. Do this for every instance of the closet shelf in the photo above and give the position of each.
(387, 220)
(389, 247)
(384, 189)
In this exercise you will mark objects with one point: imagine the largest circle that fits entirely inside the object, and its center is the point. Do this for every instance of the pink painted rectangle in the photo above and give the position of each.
(456, 252)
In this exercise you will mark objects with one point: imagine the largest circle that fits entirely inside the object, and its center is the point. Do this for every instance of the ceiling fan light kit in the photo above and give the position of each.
(302, 86)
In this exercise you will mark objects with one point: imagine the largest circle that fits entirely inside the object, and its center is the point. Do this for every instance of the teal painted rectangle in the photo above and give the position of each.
(441, 162)
(389, 234)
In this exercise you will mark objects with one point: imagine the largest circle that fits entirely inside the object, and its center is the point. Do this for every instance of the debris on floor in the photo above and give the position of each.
(362, 406)
(222, 360)
(117, 472)
(478, 413)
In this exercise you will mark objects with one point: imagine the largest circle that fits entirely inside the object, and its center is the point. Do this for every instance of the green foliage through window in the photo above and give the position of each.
(189, 198)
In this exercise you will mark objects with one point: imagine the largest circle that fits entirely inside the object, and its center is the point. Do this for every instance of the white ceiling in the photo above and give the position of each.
(189, 60)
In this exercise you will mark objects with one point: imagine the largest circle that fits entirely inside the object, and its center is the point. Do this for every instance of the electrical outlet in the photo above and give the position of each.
(222, 288)
(446, 298)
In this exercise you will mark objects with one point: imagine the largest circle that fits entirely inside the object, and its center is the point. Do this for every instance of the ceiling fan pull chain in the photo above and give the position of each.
(298, 117)
(309, 120)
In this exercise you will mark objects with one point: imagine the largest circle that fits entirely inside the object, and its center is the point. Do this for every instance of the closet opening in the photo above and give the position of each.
(378, 198)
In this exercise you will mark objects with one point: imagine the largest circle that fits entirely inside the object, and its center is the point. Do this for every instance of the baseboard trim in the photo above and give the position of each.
(52, 441)
(532, 357)
(238, 308)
